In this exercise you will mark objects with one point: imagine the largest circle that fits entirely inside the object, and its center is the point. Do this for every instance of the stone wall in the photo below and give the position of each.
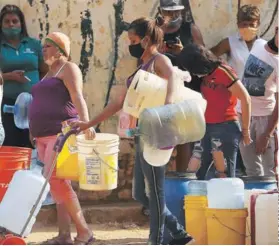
(99, 46)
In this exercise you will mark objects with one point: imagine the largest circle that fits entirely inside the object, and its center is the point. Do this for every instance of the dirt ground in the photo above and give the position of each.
(108, 234)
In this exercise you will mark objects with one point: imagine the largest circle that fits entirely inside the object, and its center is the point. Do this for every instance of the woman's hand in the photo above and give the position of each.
(84, 127)
(17, 75)
(262, 144)
(246, 138)
(80, 125)
(89, 133)
(174, 48)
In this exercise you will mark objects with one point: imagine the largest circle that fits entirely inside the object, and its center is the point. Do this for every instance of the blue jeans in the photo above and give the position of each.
(223, 138)
(148, 189)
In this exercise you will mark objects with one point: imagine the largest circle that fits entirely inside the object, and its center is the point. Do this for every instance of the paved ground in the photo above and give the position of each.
(106, 234)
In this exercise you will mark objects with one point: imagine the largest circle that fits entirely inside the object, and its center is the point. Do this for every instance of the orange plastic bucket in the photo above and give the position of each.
(12, 240)
(12, 159)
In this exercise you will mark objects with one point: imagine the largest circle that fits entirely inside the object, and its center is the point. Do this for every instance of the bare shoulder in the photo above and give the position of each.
(71, 67)
(161, 58)
(195, 28)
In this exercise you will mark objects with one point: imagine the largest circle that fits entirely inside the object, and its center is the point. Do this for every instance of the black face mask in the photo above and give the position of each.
(136, 50)
(271, 44)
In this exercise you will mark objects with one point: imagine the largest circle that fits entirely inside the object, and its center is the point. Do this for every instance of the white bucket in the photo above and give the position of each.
(98, 162)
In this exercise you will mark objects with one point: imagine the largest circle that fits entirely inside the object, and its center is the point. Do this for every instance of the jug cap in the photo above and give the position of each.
(156, 157)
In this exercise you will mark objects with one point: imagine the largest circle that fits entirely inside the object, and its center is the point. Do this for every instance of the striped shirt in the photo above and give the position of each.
(221, 104)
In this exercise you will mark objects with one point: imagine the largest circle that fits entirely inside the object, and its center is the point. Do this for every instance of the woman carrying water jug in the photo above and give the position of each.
(221, 88)
(145, 38)
(57, 98)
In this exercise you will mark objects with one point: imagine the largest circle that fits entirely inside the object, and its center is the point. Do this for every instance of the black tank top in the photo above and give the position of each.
(184, 33)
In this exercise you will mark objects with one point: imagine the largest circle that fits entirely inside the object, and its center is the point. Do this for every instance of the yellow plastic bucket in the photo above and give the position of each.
(98, 162)
(226, 226)
(195, 209)
(67, 162)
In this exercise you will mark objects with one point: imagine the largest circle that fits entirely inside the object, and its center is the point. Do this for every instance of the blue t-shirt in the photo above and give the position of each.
(28, 57)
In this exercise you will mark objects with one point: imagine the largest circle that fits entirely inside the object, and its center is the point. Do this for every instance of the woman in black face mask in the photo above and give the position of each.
(145, 38)
(179, 32)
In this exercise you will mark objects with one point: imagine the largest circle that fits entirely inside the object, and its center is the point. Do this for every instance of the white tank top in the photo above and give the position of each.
(239, 54)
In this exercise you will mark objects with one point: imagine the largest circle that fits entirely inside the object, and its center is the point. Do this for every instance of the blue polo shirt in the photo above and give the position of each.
(28, 57)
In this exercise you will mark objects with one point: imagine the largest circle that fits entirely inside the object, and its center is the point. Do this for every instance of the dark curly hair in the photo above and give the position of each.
(198, 60)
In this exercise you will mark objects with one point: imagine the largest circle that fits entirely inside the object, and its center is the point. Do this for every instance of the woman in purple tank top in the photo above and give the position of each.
(56, 98)
(145, 38)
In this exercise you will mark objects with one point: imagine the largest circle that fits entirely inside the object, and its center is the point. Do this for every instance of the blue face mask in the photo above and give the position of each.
(11, 33)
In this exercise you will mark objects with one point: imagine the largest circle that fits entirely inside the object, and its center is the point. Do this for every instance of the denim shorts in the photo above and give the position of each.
(224, 137)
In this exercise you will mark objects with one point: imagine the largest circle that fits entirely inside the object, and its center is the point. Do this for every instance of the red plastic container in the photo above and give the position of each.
(12, 159)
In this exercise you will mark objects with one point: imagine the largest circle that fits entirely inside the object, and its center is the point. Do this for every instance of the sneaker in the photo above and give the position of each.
(182, 241)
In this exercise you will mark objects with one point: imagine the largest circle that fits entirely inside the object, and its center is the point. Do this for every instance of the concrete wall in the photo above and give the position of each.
(99, 44)
(100, 47)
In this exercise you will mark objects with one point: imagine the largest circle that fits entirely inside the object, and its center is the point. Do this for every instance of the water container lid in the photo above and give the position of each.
(180, 175)
(260, 179)
(156, 157)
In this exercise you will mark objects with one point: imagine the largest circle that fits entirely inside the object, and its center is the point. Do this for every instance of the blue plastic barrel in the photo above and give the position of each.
(176, 187)
(260, 182)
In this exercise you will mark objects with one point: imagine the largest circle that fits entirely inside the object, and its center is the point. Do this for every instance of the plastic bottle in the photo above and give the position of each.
(171, 124)
(20, 110)
(182, 76)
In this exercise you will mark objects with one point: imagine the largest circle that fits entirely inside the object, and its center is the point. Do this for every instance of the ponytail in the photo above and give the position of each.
(147, 27)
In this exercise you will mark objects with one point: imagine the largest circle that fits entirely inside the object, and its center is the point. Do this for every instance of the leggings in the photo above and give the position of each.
(61, 189)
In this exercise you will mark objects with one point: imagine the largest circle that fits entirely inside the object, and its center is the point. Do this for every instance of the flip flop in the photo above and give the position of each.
(90, 241)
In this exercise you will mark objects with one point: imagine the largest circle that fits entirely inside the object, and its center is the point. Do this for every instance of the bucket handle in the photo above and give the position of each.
(98, 155)
(241, 234)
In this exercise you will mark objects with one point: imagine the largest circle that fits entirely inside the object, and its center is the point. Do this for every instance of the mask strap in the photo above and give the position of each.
(143, 48)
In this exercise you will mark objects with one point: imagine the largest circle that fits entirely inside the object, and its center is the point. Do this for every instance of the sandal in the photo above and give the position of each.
(90, 241)
(56, 241)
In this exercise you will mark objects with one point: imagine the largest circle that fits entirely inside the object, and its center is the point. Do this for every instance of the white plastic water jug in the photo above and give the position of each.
(148, 90)
(20, 110)
(172, 124)
(267, 219)
(247, 199)
(20, 199)
(225, 193)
